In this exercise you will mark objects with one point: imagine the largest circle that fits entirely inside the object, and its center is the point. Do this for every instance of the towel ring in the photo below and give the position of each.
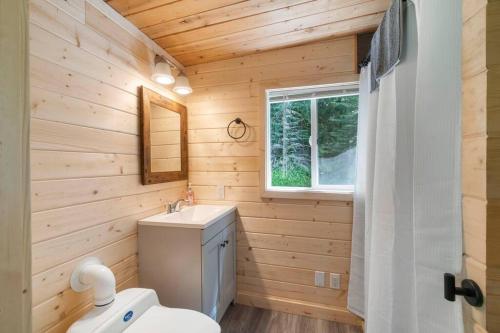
(238, 121)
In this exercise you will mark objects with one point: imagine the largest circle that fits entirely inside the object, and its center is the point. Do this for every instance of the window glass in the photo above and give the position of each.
(311, 138)
(337, 129)
(290, 126)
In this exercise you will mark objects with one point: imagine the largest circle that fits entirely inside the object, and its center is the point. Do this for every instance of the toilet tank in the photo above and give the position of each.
(128, 305)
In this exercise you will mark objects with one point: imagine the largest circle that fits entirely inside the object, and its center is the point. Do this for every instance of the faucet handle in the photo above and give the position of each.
(170, 207)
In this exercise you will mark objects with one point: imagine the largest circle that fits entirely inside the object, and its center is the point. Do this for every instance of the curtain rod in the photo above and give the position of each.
(365, 61)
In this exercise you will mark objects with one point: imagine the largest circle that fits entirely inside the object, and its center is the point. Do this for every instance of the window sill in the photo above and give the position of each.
(309, 195)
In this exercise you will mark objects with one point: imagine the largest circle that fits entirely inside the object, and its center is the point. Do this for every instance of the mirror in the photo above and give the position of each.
(164, 138)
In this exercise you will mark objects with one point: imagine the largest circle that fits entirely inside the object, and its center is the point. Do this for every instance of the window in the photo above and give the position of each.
(311, 138)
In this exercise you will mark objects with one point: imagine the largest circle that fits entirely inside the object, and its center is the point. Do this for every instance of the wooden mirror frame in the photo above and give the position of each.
(148, 177)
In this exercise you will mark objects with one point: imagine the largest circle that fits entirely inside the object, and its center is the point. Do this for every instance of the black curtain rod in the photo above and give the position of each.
(365, 61)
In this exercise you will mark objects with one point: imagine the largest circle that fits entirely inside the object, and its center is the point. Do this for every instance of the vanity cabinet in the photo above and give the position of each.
(190, 267)
(218, 273)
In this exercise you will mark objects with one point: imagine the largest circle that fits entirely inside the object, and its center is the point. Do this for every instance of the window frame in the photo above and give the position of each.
(316, 191)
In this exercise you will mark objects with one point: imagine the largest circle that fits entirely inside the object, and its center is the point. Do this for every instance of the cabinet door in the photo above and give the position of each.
(210, 271)
(228, 267)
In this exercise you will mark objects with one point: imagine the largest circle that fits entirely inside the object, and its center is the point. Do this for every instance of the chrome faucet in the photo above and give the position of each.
(175, 206)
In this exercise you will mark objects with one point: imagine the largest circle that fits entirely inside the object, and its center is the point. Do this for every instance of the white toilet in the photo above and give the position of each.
(138, 310)
(135, 310)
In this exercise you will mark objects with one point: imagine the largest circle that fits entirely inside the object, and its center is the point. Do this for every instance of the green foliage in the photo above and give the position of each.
(337, 125)
(290, 150)
(295, 177)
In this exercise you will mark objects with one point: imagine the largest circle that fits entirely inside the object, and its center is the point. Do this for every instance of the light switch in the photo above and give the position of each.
(220, 192)
(319, 279)
(334, 281)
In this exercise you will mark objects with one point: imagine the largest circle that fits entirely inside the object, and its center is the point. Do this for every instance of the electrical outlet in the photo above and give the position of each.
(319, 279)
(220, 192)
(334, 281)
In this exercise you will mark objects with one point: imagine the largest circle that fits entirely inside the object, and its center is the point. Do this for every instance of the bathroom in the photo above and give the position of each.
(250, 166)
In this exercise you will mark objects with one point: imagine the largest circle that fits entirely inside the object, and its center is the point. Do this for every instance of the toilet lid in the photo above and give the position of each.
(159, 319)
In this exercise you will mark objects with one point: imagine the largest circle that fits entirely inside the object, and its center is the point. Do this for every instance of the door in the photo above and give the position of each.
(210, 272)
(15, 215)
(228, 267)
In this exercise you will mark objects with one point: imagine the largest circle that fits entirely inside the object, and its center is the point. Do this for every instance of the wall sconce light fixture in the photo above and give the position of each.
(162, 74)
(182, 86)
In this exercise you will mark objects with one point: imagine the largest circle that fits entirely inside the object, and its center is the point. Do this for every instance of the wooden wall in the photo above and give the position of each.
(15, 214)
(86, 189)
(280, 242)
(481, 156)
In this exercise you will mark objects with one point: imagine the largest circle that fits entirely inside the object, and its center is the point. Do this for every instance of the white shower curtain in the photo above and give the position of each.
(407, 226)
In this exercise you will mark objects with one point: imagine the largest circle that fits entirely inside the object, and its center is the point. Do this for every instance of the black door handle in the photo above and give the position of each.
(470, 290)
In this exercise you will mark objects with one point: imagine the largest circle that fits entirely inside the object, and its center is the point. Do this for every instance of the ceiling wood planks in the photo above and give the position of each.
(200, 31)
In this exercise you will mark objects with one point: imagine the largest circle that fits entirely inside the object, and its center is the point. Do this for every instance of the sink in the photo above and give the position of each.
(198, 216)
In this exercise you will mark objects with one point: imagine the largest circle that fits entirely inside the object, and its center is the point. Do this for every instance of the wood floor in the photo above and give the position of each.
(246, 319)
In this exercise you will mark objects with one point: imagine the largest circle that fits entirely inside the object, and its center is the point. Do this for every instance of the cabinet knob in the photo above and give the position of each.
(226, 242)
(223, 244)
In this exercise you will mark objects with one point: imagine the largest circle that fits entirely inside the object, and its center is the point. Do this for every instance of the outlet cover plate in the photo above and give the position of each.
(334, 281)
(319, 279)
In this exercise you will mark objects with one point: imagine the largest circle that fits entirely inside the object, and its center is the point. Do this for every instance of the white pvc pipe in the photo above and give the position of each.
(102, 279)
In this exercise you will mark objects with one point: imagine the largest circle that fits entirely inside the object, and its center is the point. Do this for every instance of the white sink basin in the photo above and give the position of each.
(198, 216)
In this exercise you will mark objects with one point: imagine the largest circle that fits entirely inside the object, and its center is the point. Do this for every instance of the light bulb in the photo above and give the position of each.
(162, 73)
(182, 86)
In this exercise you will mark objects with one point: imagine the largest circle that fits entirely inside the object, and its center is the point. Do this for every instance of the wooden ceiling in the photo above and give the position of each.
(199, 31)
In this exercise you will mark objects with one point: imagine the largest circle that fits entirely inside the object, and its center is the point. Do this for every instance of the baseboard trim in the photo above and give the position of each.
(320, 311)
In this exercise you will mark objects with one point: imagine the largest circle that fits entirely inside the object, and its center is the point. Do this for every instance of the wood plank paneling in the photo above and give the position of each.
(324, 230)
(278, 71)
(295, 244)
(86, 189)
(63, 109)
(51, 194)
(156, 28)
(57, 22)
(224, 163)
(289, 39)
(200, 32)
(59, 165)
(56, 222)
(281, 242)
(282, 273)
(75, 8)
(294, 259)
(294, 291)
(320, 50)
(59, 250)
(65, 81)
(56, 280)
(307, 15)
(49, 135)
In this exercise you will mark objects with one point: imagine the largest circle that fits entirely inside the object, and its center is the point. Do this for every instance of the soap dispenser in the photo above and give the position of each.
(190, 195)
